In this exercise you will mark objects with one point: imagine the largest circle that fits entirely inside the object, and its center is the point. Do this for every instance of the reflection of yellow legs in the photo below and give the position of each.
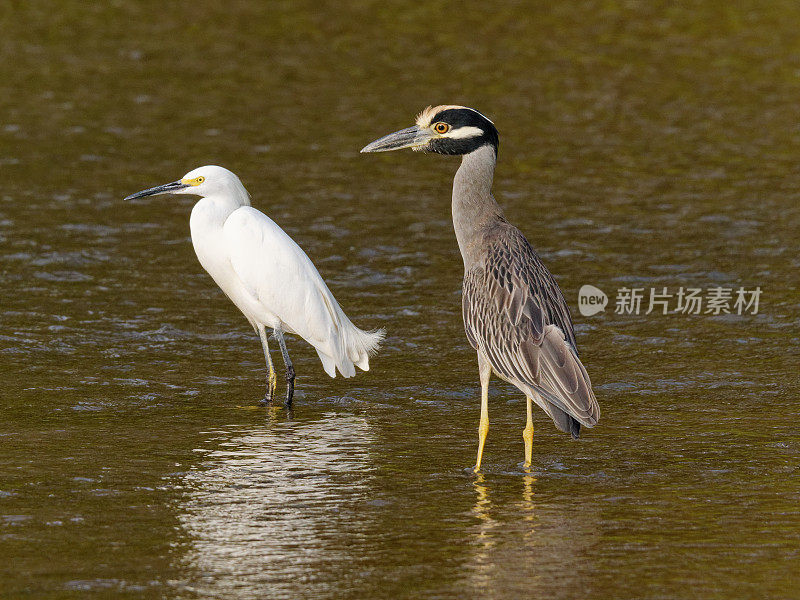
(527, 435)
(482, 503)
(528, 506)
(483, 541)
(485, 372)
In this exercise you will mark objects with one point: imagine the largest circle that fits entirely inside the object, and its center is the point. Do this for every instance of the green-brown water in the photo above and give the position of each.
(643, 145)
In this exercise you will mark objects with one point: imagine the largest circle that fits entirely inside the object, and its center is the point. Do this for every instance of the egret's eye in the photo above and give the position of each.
(441, 127)
(200, 179)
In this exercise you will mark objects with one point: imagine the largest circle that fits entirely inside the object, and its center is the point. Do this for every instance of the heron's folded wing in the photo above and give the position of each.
(516, 315)
(563, 380)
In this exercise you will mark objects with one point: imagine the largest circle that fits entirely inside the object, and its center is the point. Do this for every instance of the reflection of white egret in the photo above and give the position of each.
(274, 508)
(267, 275)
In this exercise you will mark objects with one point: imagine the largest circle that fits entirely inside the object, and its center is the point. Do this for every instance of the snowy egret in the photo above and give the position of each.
(515, 315)
(267, 276)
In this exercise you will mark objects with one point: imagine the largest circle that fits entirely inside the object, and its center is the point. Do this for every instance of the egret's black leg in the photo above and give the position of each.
(289, 368)
(272, 378)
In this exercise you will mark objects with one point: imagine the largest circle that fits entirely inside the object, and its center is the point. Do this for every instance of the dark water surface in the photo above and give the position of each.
(643, 145)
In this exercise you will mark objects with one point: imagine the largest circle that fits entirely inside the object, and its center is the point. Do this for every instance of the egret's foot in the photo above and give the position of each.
(267, 401)
(272, 384)
(289, 386)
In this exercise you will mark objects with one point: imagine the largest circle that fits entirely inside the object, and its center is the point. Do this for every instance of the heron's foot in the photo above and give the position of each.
(483, 430)
(527, 436)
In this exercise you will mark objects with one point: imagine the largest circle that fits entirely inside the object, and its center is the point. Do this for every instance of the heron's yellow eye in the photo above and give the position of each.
(441, 127)
(200, 180)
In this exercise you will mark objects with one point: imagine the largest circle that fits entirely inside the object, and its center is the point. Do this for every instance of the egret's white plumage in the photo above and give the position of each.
(266, 274)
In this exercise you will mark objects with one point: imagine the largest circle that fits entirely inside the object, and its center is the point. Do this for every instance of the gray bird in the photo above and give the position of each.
(515, 315)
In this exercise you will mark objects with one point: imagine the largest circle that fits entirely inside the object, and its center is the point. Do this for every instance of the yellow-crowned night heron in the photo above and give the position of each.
(515, 315)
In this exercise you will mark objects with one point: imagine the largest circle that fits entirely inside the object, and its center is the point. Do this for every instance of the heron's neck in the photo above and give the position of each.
(474, 207)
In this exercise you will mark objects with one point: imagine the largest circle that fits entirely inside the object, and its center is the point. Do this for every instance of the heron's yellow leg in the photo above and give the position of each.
(483, 429)
(527, 435)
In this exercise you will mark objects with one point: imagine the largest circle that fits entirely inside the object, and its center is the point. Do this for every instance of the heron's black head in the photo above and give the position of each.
(442, 129)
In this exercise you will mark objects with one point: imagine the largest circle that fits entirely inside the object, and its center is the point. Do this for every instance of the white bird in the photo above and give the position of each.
(267, 276)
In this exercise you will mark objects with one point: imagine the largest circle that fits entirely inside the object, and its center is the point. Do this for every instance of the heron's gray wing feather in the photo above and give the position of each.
(562, 420)
(516, 315)
(563, 380)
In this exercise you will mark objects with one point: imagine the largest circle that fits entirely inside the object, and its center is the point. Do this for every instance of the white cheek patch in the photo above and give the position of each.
(463, 133)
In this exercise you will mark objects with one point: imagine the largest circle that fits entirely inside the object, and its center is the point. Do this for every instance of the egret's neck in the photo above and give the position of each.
(474, 207)
(219, 205)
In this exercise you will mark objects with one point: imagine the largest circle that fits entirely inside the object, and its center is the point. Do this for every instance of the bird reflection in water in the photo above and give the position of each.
(482, 504)
(261, 493)
(504, 510)
(528, 507)
(484, 540)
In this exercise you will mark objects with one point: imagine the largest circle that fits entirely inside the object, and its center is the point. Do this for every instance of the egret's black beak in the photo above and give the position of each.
(413, 137)
(159, 189)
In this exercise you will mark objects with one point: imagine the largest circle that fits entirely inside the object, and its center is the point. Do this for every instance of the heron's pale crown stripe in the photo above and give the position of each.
(424, 118)
(463, 133)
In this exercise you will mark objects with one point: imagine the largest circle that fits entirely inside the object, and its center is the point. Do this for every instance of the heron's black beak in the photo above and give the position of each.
(413, 137)
(159, 189)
